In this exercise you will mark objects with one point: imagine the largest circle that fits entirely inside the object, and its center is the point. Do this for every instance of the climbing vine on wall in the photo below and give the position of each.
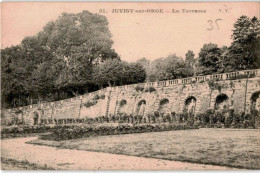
(90, 103)
(94, 100)
(139, 88)
(149, 89)
(214, 85)
(183, 87)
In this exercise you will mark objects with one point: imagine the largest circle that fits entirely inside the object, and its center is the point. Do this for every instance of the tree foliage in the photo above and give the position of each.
(190, 58)
(209, 58)
(170, 67)
(57, 62)
(244, 51)
(73, 55)
(115, 73)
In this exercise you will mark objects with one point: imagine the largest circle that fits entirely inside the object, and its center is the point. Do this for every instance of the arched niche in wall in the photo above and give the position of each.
(36, 118)
(190, 105)
(164, 106)
(222, 102)
(255, 101)
(122, 107)
(140, 109)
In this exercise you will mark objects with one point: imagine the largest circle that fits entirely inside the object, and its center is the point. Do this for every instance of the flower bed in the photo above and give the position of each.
(25, 130)
(228, 119)
(83, 131)
(112, 123)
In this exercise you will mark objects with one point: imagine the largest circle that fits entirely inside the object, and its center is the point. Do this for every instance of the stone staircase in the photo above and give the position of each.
(108, 103)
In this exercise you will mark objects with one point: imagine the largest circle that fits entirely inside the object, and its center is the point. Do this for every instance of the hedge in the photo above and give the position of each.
(23, 130)
(83, 131)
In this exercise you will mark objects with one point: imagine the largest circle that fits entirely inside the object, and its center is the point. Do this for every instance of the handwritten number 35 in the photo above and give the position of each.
(211, 25)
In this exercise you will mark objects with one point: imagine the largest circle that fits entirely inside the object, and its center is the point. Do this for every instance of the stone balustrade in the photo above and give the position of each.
(197, 79)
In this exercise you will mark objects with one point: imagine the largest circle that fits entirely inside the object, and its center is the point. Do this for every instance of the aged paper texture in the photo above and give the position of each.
(130, 86)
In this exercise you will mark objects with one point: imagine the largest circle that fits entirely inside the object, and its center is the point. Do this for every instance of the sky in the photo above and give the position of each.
(135, 35)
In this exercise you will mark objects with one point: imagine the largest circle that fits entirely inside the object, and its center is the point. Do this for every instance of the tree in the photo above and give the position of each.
(108, 73)
(83, 35)
(14, 75)
(189, 58)
(244, 50)
(179, 70)
(133, 73)
(114, 72)
(209, 59)
(170, 67)
(147, 65)
(81, 40)
(26, 72)
(39, 64)
(58, 60)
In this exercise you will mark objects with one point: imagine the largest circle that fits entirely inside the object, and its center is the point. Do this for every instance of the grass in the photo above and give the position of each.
(11, 164)
(224, 147)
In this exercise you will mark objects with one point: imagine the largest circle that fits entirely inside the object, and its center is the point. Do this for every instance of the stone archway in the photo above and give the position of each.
(140, 110)
(222, 102)
(122, 107)
(255, 101)
(190, 105)
(36, 118)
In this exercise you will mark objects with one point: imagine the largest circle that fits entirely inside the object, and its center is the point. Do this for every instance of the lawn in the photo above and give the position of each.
(238, 148)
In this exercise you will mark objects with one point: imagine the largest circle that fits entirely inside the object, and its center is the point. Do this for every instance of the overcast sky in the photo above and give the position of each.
(135, 35)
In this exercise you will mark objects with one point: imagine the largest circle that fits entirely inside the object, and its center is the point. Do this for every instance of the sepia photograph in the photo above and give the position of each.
(130, 86)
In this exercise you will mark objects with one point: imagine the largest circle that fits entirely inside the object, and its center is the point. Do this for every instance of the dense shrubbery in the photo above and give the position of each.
(124, 118)
(149, 89)
(100, 119)
(227, 119)
(96, 97)
(14, 131)
(139, 88)
(83, 131)
(209, 119)
(94, 100)
(90, 103)
(24, 130)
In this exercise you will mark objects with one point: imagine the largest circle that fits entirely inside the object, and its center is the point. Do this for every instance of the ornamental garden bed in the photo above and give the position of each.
(85, 131)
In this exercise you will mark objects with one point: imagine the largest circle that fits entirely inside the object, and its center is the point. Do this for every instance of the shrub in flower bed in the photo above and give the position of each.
(13, 131)
(227, 119)
(83, 131)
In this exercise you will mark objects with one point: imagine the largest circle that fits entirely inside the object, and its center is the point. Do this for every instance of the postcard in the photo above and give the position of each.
(130, 86)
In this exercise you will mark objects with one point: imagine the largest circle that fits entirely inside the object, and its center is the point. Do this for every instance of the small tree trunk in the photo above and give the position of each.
(109, 83)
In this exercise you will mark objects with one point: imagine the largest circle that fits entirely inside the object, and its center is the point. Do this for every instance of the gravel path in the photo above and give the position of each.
(66, 159)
